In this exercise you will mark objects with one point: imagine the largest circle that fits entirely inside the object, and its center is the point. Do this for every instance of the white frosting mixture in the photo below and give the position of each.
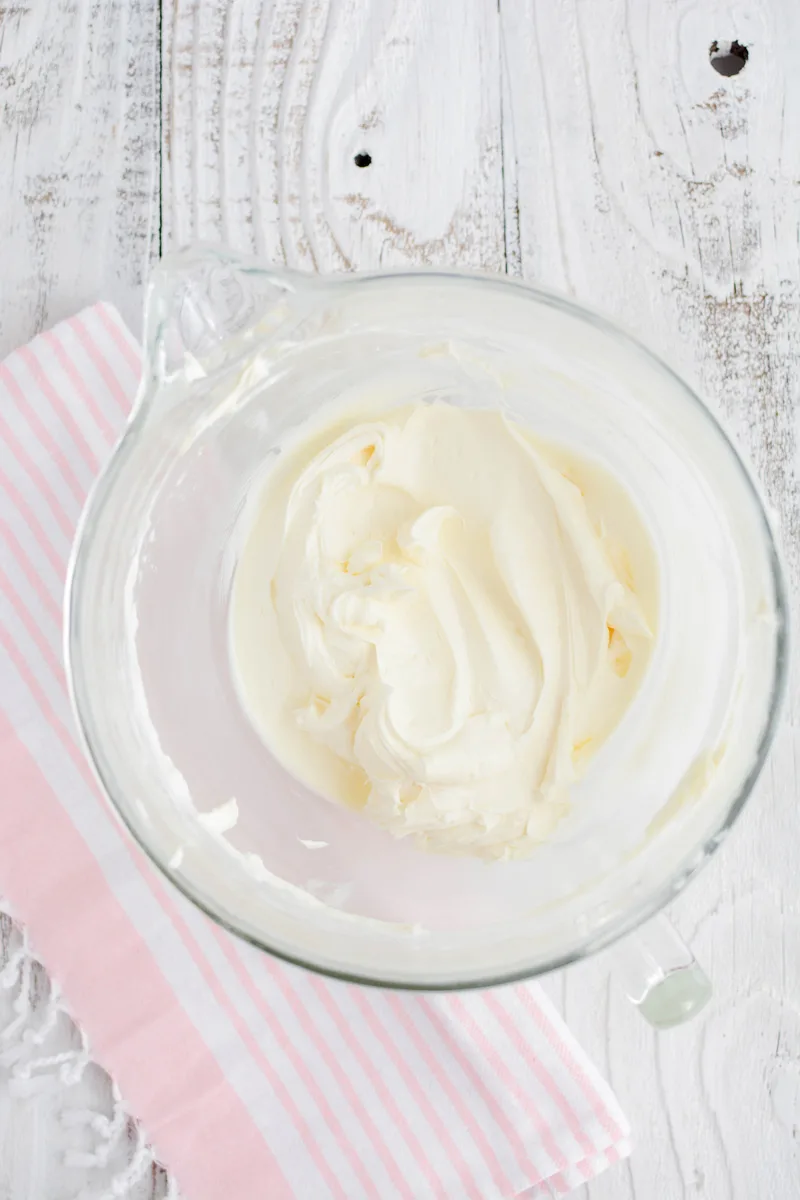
(438, 620)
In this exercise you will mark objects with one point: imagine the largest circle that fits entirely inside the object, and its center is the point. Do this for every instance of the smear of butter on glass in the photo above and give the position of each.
(222, 818)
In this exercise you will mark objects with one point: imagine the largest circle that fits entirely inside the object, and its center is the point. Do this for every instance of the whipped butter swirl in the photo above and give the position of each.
(430, 623)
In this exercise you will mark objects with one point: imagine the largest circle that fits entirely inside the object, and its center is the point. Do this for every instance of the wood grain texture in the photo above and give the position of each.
(670, 197)
(267, 105)
(587, 146)
(79, 149)
(79, 190)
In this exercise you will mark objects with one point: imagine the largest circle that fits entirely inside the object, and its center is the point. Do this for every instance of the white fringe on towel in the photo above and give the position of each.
(60, 1114)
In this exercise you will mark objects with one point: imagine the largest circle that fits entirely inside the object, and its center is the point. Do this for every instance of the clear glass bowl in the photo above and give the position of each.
(236, 356)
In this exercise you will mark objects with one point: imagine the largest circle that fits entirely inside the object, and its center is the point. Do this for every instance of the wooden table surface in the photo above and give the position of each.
(589, 146)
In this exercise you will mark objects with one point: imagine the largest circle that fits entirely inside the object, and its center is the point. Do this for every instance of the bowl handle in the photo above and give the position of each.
(660, 975)
(204, 304)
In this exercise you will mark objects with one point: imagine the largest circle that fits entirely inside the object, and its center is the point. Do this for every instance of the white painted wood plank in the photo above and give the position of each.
(79, 149)
(670, 197)
(267, 104)
(79, 146)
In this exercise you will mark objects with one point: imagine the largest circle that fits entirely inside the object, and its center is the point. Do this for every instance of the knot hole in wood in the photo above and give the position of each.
(728, 58)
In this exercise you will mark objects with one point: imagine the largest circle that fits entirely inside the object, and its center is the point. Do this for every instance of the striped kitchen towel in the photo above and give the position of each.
(252, 1079)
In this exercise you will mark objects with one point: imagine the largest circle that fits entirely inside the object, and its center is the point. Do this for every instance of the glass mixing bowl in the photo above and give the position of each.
(236, 356)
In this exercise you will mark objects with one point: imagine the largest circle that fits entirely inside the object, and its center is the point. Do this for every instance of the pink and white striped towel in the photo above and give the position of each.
(252, 1079)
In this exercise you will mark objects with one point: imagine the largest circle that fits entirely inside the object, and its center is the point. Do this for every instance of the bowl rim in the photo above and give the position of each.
(615, 928)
